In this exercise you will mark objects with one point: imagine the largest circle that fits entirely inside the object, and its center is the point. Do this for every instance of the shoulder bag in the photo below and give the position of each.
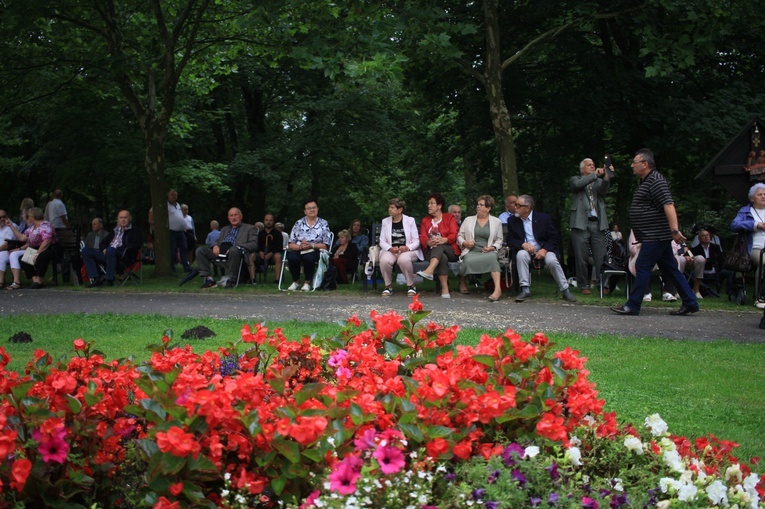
(29, 256)
(737, 259)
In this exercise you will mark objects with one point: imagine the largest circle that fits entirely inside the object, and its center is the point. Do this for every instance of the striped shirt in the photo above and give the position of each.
(647, 216)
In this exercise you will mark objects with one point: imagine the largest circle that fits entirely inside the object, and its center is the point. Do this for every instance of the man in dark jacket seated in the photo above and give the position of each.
(534, 237)
(122, 244)
(713, 265)
(234, 238)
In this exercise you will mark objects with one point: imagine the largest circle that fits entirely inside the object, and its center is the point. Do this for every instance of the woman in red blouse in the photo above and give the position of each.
(438, 237)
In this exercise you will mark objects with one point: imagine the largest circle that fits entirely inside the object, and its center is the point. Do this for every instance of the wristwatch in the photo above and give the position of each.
(675, 232)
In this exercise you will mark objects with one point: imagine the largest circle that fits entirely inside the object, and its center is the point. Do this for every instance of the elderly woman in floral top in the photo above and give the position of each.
(39, 235)
(309, 235)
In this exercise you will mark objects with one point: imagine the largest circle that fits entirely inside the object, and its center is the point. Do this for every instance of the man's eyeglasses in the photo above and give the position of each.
(638, 162)
(521, 205)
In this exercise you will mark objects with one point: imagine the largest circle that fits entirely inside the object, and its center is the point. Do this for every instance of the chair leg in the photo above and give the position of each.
(281, 272)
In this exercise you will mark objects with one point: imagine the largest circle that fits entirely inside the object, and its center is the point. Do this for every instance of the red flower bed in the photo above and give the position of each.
(265, 413)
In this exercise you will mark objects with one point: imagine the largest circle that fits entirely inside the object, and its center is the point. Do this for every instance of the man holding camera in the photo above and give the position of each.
(588, 221)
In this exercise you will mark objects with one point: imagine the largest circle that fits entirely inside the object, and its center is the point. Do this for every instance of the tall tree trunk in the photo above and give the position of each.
(500, 116)
(155, 168)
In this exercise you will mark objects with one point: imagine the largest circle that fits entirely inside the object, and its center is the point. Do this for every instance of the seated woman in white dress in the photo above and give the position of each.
(479, 238)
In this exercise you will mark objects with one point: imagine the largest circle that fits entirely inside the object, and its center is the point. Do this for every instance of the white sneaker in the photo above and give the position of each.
(306, 288)
(668, 297)
(759, 305)
(647, 297)
(698, 295)
(293, 287)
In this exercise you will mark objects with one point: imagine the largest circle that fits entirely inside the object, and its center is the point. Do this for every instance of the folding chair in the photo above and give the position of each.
(221, 262)
(284, 261)
(132, 271)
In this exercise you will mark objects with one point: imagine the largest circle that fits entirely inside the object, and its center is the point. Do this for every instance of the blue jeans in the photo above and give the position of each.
(91, 256)
(658, 253)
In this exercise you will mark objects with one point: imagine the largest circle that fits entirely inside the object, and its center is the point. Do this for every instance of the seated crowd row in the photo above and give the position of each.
(440, 240)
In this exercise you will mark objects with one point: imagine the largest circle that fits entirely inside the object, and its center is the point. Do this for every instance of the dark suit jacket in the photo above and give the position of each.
(715, 256)
(132, 240)
(545, 232)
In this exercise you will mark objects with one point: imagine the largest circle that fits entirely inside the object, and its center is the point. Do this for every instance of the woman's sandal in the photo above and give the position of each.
(13, 286)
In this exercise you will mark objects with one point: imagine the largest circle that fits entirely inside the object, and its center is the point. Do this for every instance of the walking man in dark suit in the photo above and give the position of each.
(535, 238)
(588, 221)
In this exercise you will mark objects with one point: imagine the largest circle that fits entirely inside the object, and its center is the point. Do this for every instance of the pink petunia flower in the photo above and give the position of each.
(391, 459)
(345, 474)
(53, 450)
(366, 440)
(337, 358)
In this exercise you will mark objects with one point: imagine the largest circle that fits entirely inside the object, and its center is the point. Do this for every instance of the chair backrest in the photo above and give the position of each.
(374, 239)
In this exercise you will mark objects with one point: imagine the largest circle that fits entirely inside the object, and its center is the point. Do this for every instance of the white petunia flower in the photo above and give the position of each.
(530, 451)
(574, 455)
(663, 504)
(667, 444)
(667, 483)
(733, 471)
(687, 492)
(674, 461)
(634, 444)
(656, 425)
(717, 493)
(751, 481)
(575, 441)
(616, 483)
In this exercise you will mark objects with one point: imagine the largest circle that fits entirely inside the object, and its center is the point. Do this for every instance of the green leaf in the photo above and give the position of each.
(288, 448)
(21, 390)
(314, 455)
(412, 431)
(171, 464)
(74, 404)
(278, 484)
(308, 391)
(392, 349)
(487, 360)
(154, 407)
(202, 464)
(439, 431)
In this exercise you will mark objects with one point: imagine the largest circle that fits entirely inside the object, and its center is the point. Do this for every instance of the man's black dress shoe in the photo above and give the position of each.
(624, 310)
(684, 310)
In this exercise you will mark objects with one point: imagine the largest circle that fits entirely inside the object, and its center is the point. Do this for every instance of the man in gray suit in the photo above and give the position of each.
(232, 237)
(588, 221)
